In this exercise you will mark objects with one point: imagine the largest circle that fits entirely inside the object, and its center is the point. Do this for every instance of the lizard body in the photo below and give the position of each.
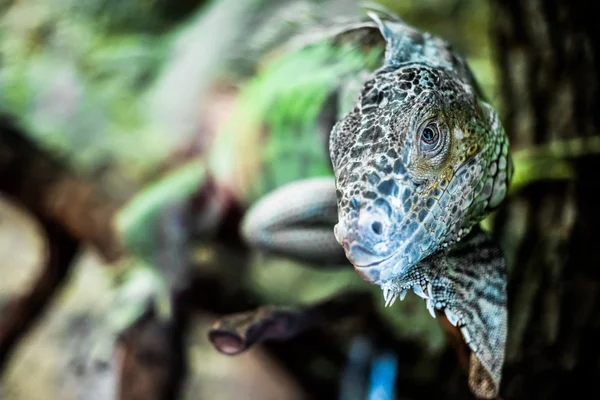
(419, 162)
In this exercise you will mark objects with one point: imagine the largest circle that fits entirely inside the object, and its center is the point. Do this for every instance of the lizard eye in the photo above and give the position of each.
(428, 135)
(429, 138)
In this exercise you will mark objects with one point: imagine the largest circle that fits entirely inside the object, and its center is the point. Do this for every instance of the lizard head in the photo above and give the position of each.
(418, 161)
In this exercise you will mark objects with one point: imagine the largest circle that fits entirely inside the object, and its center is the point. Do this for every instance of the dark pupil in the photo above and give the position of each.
(428, 135)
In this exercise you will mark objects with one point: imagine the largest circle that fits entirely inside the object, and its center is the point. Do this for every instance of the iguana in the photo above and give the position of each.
(418, 161)
(404, 173)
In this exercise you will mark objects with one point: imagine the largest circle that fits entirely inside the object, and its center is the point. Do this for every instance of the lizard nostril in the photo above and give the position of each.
(377, 227)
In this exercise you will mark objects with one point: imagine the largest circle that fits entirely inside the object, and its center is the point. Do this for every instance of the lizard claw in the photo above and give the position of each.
(402, 294)
(452, 318)
(392, 299)
(430, 307)
(419, 291)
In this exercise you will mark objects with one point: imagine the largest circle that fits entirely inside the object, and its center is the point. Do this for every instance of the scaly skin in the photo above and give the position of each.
(419, 161)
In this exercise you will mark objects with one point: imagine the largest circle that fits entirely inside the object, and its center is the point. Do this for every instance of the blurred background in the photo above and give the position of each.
(119, 251)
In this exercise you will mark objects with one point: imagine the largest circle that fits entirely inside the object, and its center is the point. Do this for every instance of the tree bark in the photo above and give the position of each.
(548, 52)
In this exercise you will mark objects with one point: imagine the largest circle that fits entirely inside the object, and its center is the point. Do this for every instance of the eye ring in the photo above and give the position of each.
(429, 134)
(431, 140)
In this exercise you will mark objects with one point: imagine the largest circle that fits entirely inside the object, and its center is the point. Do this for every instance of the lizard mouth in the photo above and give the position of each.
(385, 269)
(375, 271)
(362, 257)
(373, 264)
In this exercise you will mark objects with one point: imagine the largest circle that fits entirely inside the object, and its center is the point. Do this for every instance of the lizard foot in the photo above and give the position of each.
(467, 284)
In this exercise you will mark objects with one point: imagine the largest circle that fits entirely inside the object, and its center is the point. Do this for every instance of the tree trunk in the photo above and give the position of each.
(548, 57)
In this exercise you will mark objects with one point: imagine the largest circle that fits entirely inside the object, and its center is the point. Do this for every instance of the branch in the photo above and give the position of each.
(70, 212)
(235, 333)
(21, 313)
(53, 192)
(151, 359)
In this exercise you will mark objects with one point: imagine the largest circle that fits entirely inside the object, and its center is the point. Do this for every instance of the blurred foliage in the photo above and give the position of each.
(149, 16)
(73, 85)
(107, 81)
(274, 136)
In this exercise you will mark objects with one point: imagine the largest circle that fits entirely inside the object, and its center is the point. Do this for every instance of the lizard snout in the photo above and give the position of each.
(364, 238)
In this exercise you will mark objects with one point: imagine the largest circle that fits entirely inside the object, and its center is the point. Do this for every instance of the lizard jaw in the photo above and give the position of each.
(370, 273)
(385, 270)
